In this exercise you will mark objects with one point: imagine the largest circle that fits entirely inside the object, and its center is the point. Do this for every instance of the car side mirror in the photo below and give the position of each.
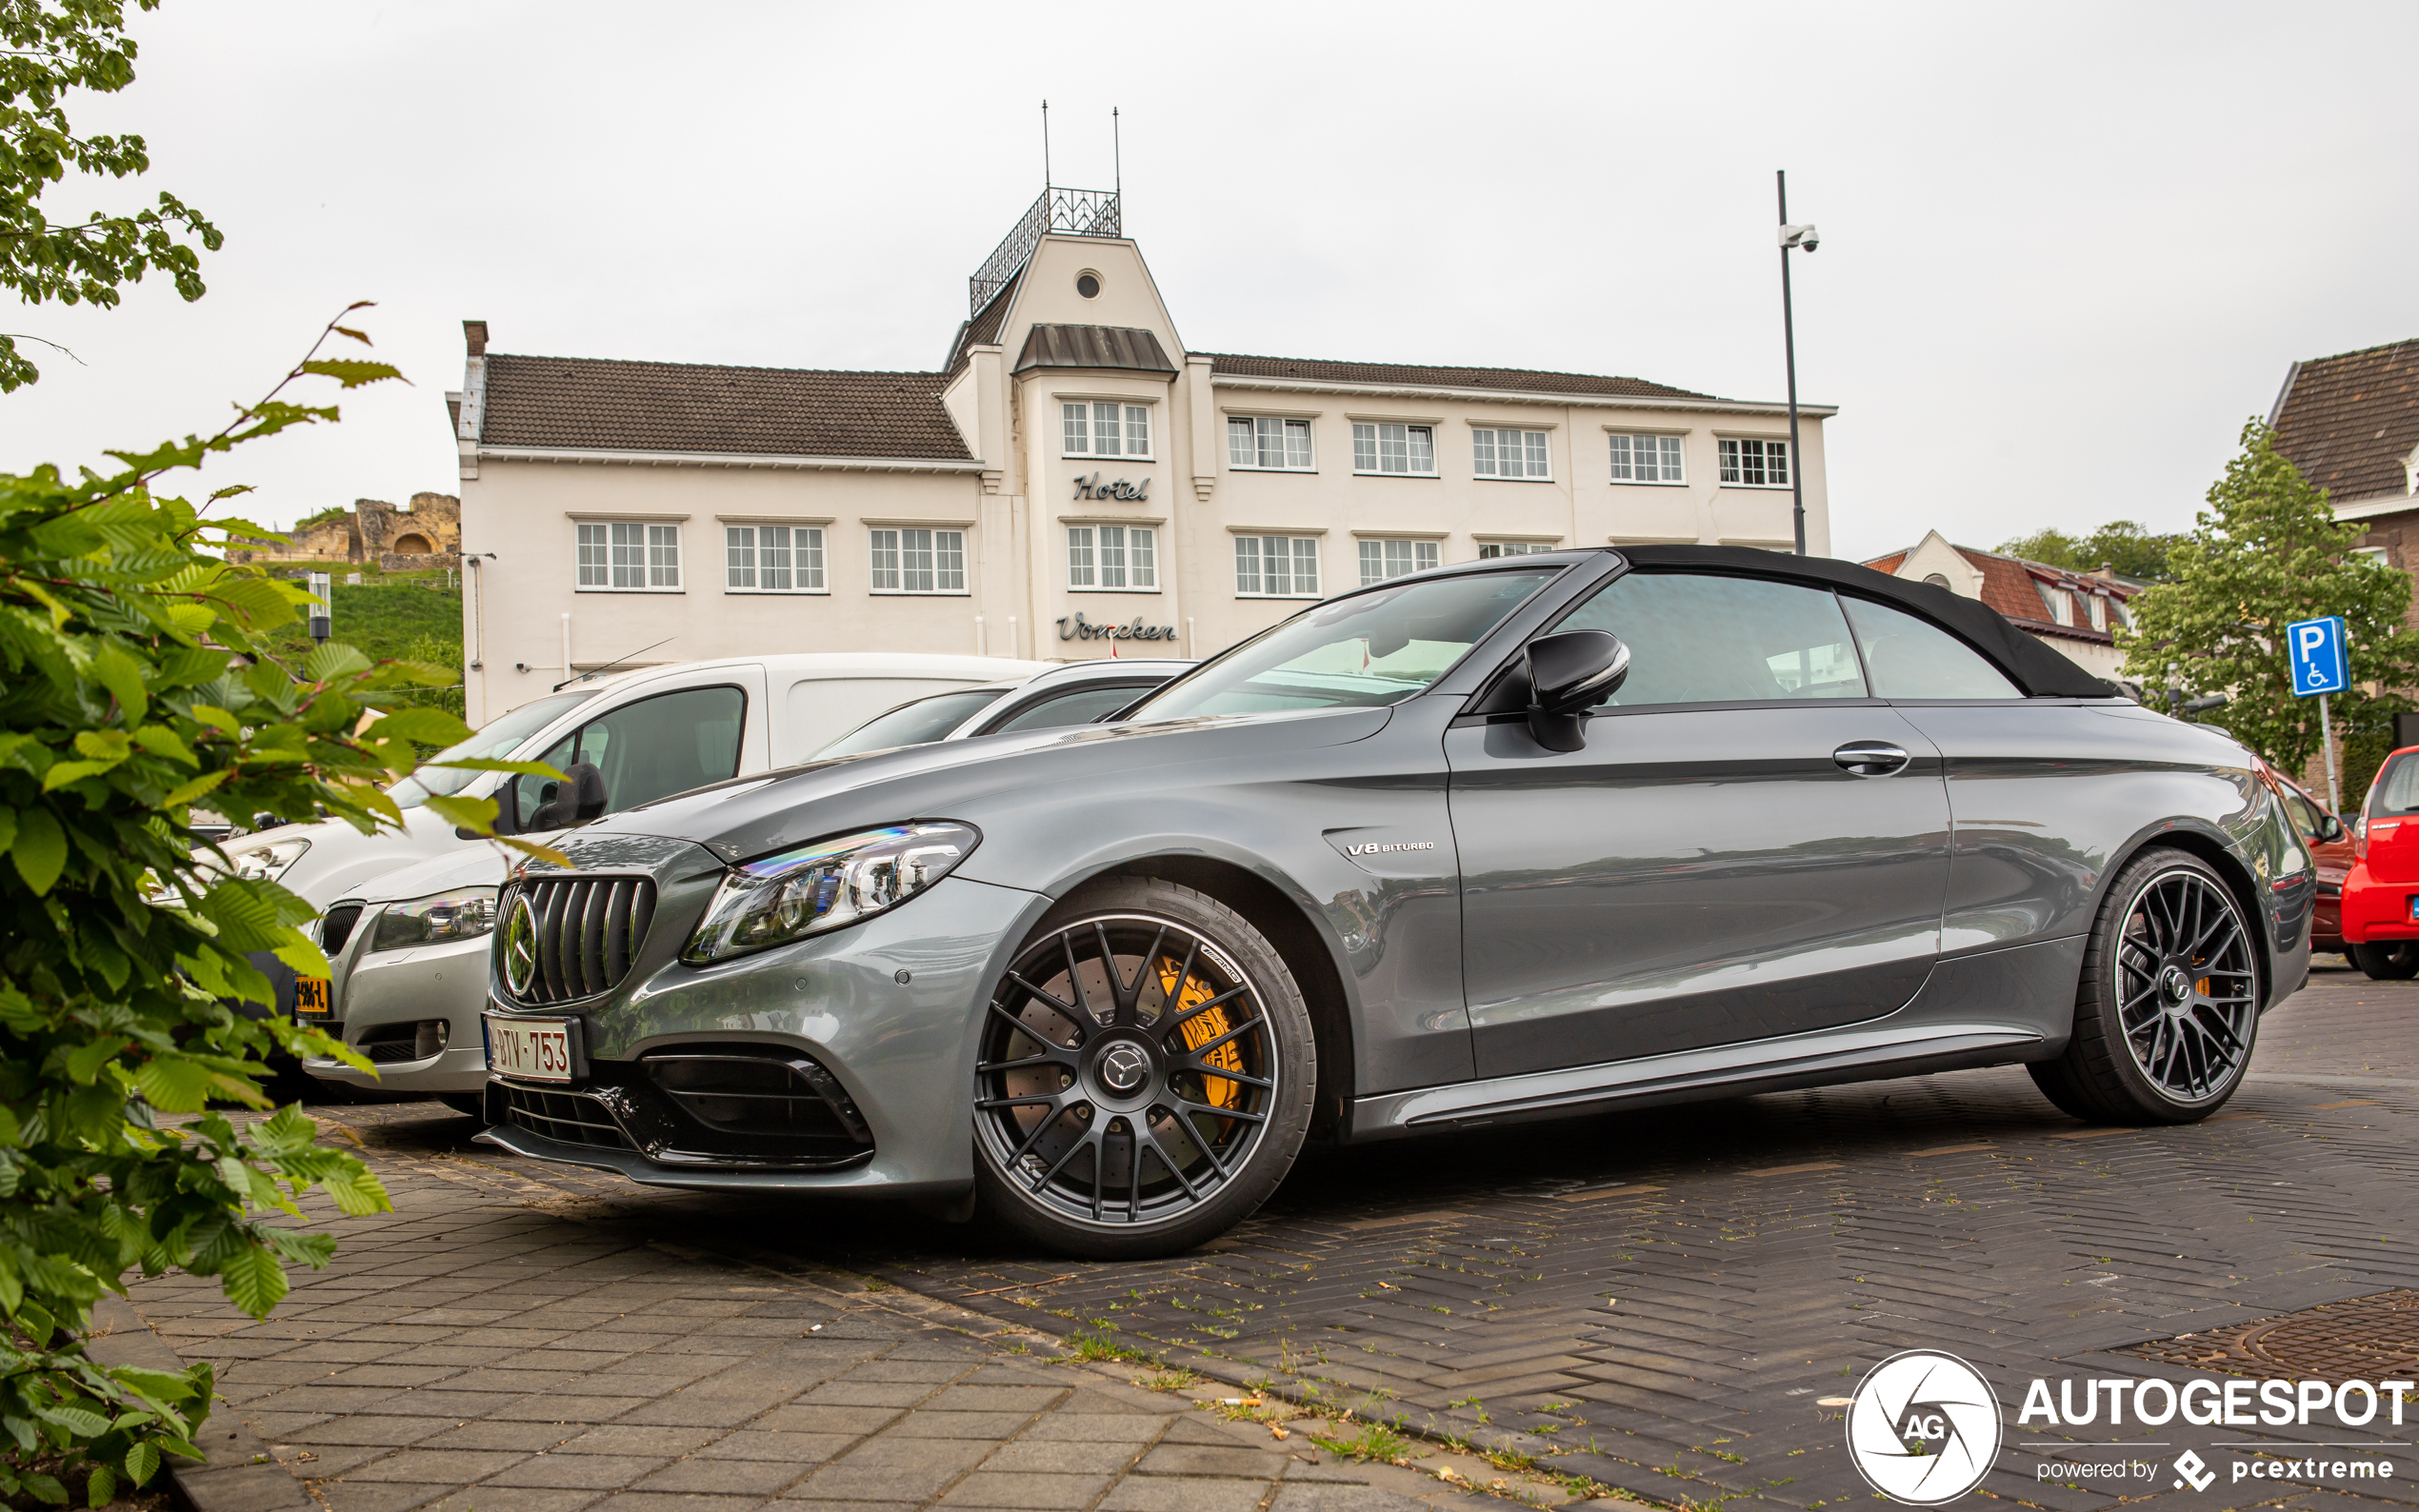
(574, 802)
(1567, 674)
(507, 812)
(2330, 829)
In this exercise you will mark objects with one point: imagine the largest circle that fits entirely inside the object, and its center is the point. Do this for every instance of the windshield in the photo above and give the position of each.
(1370, 650)
(926, 719)
(496, 739)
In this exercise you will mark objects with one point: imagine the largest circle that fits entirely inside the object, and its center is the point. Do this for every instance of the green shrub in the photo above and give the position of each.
(133, 685)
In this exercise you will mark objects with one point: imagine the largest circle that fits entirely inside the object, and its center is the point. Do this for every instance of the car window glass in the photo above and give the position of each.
(1075, 706)
(926, 719)
(1371, 649)
(1702, 639)
(1912, 657)
(530, 794)
(2397, 789)
(650, 749)
(497, 739)
(665, 744)
(2305, 814)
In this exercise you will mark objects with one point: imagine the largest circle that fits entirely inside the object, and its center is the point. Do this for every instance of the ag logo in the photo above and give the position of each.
(1924, 1427)
(520, 944)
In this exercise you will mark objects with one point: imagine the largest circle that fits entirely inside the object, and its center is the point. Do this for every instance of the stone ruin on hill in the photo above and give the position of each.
(424, 534)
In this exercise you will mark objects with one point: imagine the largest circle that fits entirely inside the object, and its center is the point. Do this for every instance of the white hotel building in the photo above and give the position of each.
(1074, 479)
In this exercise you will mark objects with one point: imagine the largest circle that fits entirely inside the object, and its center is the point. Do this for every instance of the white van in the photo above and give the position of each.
(636, 736)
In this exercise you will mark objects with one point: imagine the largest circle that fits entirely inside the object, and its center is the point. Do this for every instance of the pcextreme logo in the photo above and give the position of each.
(1923, 1428)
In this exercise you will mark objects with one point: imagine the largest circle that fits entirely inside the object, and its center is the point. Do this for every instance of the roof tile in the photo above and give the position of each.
(597, 404)
(2349, 421)
(1413, 375)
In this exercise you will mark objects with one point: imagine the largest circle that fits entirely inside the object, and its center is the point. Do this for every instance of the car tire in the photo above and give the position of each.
(1139, 1067)
(472, 1102)
(2387, 959)
(2166, 1008)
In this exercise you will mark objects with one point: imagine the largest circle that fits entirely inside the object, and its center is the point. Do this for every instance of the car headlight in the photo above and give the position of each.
(268, 863)
(826, 885)
(462, 915)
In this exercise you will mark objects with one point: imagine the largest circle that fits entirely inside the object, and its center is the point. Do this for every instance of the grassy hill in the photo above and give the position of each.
(392, 619)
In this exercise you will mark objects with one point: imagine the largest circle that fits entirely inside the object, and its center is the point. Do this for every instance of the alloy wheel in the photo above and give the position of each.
(1127, 1072)
(2187, 991)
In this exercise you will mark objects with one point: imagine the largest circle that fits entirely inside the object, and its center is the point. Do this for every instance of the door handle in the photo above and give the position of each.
(1871, 758)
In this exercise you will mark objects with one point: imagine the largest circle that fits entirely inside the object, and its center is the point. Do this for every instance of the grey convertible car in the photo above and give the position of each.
(1516, 839)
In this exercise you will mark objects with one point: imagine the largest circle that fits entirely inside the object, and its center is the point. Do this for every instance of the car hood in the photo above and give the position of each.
(755, 816)
(477, 865)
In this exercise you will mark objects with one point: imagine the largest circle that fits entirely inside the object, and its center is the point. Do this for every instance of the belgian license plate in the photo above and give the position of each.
(2414, 909)
(310, 997)
(529, 1050)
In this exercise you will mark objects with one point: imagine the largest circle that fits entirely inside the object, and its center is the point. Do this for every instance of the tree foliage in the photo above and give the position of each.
(2267, 552)
(2124, 545)
(49, 49)
(134, 684)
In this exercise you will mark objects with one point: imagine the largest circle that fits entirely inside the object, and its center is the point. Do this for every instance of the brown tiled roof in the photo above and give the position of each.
(2349, 421)
(2008, 586)
(984, 329)
(1518, 379)
(594, 403)
(1127, 349)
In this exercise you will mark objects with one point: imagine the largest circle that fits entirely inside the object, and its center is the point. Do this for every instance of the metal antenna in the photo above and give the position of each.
(1045, 147)
(1117, 153)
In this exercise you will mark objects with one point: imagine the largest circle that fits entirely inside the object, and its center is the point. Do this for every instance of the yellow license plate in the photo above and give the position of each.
(310, 995)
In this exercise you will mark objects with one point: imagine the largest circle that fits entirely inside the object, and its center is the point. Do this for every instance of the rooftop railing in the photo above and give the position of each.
(1063, 211)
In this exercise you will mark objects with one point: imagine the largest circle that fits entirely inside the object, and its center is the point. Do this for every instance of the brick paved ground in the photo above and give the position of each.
(1657, 1300)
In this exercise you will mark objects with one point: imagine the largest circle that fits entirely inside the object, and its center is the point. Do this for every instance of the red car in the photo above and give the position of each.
(2331, 846)
(2380, 905)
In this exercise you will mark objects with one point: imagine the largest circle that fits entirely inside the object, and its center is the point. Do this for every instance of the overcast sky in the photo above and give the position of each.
(2067, 249)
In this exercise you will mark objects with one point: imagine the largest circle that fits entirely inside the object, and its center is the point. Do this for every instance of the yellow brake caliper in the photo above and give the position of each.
(1202, 1029)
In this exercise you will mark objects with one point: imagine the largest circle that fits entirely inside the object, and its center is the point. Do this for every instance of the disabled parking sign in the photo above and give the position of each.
(2316, 647)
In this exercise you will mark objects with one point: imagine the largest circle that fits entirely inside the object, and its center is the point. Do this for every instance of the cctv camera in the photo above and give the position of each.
(1799, 236)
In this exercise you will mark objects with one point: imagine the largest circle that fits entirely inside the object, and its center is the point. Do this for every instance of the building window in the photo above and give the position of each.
(1755, 463)
(1645, 459)
(634, 557)
(1407, 451)
(1116, 558)
(1261, 441)
(2099, 607)
(772, 559)
(919, 561)
(2060, 603)
(1488, 550)
(1276, 566)
(1094, 430)
(1381, 560)
(1509, 454)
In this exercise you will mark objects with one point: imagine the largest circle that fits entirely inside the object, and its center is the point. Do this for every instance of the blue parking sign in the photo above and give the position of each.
(2317, 648)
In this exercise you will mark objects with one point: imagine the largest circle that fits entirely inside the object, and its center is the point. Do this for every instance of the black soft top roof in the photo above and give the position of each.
(2040, 671)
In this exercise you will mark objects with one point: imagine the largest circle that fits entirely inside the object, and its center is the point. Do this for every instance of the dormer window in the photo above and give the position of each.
(2058, 601)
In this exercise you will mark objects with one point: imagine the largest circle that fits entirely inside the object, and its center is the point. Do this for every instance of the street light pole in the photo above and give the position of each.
(1788, 345)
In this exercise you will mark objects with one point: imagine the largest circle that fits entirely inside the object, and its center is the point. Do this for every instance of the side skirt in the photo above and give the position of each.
(1987, 1009)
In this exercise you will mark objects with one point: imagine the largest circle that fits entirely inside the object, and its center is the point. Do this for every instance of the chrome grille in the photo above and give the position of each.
(588, 932)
